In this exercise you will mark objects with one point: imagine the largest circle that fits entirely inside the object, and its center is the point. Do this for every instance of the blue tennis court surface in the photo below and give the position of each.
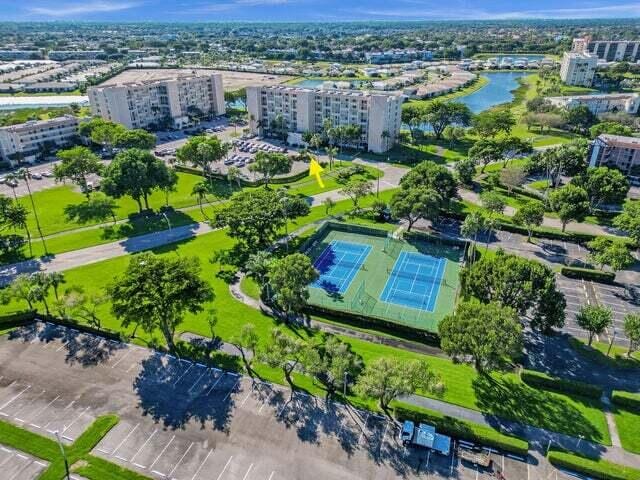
(338, 265)
(414, 281)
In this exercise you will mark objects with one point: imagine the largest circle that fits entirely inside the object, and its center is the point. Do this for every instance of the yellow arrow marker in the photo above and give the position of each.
(315, 170)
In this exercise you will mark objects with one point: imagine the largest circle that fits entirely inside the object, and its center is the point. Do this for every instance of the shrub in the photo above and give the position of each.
(462, 429)
(629, 400)
(588, 274)
(571, 387)
(593, 467)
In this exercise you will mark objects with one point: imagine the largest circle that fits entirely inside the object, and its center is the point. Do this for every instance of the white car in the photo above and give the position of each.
(36, 176)
(47, 173)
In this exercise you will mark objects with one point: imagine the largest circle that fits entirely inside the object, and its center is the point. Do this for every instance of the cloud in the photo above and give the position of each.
(71, 9)
(584, 11)
(231, 5)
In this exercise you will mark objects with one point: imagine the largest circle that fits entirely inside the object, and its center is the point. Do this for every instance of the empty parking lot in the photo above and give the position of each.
(187, 421)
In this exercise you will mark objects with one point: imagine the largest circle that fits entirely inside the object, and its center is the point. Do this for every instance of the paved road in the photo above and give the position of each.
(85, 256)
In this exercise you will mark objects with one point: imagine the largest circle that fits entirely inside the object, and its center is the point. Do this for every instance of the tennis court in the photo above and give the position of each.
(367, 272)
(338, 265)
(414, 281)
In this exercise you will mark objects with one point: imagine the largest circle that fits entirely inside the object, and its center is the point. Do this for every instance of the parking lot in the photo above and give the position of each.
(188, 421)
(19, 466)
(581, 292)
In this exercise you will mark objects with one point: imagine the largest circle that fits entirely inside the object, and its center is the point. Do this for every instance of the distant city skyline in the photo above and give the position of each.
(311, 10)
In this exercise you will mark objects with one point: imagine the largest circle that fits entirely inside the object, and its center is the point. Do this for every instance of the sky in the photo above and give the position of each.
(311, 10)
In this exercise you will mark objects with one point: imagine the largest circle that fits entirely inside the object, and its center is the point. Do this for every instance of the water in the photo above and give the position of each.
(309, 83)
(36, 101)
(497, 91)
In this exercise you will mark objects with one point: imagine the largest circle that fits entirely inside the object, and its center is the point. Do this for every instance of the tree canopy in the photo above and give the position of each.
(571, 203)
(270, 164)
(413, 204)
(76, 164)
(289, 278)
(603, 185)
(430, 175)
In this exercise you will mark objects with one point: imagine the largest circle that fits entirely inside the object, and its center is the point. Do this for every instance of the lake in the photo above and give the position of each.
(497, 91)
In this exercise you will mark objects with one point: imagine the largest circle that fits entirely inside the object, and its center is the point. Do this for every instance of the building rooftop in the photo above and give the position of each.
(339, 91)
(36, 123)
(620, 141)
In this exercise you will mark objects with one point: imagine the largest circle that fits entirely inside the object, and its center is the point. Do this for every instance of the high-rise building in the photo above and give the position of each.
(578, 68)
(298, 110)
(159, 103)
(619, 152)
(26, 141)
(608, 50)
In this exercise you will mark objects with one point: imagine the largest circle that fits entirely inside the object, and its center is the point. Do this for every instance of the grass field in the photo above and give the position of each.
(628, 425)
(368, 287)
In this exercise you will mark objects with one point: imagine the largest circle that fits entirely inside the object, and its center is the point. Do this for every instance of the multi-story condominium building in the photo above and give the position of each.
(300, 110)
(26, 141)
(608, 50)
(159, 103)
(20, 55)
(617, 151)
(60, 55)
(614, 102)
(578, 68)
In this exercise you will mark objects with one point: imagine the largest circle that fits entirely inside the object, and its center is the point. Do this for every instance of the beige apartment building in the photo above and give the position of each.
(578, 68)
(159, 103)
(603, 103)
(306, 110)
(619, 152)
(25, 142)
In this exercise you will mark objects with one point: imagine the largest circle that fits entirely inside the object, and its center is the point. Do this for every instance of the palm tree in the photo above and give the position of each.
(12, 180)
(200, 191)
(332, 152)
(233, 175)
(56, 279)
(23, 173)
(17, 219)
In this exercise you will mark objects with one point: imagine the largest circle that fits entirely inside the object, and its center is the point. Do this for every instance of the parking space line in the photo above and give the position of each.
(64, 344)
(6, 460)
(12, 400)
(15, 415)
(113, 454)
(72, 423)
(226, 465)
(159, 455)
(181, 459)
(231, 390)
(248, 471)
(272, 474)
(198, 380)
(214, 386)
(183, 374)
(42, 410)
(122, 358)
(64, 410)
(202, 464)
(246, 398)
(140, 449)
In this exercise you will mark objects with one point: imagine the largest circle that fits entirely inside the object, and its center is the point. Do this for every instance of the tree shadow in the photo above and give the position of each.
(83, 349)
(507, 398)
(175, 392)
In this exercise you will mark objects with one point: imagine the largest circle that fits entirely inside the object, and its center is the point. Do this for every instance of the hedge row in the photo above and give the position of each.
(588, 274)
(571, 387)
(462, 429)
(244, 182)
(17, 319)
(628, 400)
(593, 467)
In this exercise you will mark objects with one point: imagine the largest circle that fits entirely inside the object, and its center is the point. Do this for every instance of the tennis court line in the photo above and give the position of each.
(342, 282)
(440, 275)
(351, 275)
(399, 262)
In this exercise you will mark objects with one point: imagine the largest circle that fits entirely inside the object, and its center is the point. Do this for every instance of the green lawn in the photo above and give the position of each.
(628, 425)
(78, 454)
(500, 394)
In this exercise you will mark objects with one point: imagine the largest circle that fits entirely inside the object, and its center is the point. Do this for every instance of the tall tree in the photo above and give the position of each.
(15, 216)
(289, 278)
(603, 186)
(270, 164)
(571, 203)
(387, 378)
(440, 114)
(356, 190)
(610, 251)
(246, 341)
(431, 175)
(136, 138)
(632, 331)
(24, 174)
(512, 177)
(530, 215)
(76, 164)
(335, 364)
(486, 151)
(629, 220)
(200, 191)
(136, 173)
(415, 204)
(489, 334)
(466, 169)
(202, 152)
(594, 319)
(473, 224)
(155, 293)
(491, 123)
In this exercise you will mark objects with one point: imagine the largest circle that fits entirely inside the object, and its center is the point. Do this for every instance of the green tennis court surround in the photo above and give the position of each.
(411, 282)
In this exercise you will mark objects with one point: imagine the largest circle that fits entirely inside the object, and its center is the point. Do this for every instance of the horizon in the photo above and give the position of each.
(305, 11)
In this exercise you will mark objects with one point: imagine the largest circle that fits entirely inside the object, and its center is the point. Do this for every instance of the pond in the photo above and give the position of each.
(497, 91)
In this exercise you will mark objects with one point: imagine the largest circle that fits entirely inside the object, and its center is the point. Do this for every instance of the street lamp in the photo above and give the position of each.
(164, 214)
(64, 455)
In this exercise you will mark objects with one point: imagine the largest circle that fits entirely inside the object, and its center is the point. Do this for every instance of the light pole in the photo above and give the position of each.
(164, 214)
(64, 455)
